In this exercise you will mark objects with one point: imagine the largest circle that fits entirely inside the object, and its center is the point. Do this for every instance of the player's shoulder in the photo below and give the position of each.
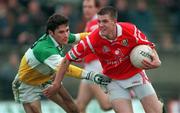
(44, 48)
(128, 28)
(126, 25)
(94, 34)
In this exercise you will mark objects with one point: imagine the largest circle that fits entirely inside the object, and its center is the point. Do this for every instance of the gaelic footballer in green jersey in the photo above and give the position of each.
(40, 62)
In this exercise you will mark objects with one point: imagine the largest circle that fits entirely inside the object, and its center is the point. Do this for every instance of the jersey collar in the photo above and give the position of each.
(119, 30)
(54, 41)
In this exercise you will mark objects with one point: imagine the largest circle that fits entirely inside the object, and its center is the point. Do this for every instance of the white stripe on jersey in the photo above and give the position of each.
(35, 64)
(139, 35)
(90, 45)
(31, 59)
(72, 55)
(75, 50)
(135, 33)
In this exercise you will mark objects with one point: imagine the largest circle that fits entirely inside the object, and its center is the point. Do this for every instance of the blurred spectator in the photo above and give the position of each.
(67, 10)
(6, 22)
(123, 10)
(24, 39)
(173, 11)
(177, 27)
(8, 72)
(143, 19)
(166, 42)
(21, 25)
(104, 3)
(37, 18)
(14, 7)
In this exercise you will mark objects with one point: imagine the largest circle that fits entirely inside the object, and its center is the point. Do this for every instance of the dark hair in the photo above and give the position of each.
(54, 21)
(108, 10)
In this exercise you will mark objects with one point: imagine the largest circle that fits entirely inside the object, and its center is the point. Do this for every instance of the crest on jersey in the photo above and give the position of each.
(124, 42)
(105, 49)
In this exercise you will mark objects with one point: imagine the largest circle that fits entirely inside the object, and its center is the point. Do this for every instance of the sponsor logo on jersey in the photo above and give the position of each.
(105, 49)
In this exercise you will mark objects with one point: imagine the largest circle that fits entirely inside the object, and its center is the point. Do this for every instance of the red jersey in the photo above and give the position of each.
(113, 54)
(91, 26)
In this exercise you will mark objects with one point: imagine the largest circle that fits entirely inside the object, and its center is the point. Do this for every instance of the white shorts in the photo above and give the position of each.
(94, 66)
(25, 93)
(138, 83)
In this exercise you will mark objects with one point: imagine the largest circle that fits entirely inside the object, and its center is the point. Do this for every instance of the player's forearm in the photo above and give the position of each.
(61, 71)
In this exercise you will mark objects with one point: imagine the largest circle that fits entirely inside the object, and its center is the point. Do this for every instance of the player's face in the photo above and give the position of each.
(106, 24)
(89, 9)
(61, 34)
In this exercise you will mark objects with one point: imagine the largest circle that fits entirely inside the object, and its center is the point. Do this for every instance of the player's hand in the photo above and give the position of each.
(51, 90)
(155, 63)
(98, 78)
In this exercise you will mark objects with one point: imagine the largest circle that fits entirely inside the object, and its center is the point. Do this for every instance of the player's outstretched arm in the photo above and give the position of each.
(53, 89)
(63, 68)
(98, 78)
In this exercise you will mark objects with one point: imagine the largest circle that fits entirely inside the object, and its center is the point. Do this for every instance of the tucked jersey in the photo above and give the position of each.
(91, 26)
(42, 59)
(113, 54)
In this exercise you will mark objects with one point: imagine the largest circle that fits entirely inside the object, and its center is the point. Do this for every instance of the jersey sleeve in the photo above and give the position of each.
(139, 36)
(53, 61)
(74, 38)
(49, 56)
(83, 48)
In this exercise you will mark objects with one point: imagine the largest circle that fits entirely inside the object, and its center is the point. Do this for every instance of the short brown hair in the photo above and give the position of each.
(108, 10)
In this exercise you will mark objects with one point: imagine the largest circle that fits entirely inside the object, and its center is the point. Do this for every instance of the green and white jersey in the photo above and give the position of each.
(42, 59)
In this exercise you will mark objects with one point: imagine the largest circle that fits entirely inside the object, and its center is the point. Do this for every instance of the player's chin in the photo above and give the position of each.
(104, 33)
(65, 42)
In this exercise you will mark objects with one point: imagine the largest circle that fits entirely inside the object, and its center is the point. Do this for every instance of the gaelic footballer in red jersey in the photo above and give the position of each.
(113, 54)
(112, 43)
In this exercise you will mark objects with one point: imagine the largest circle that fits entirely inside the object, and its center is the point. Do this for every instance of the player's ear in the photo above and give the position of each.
(50, 32)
